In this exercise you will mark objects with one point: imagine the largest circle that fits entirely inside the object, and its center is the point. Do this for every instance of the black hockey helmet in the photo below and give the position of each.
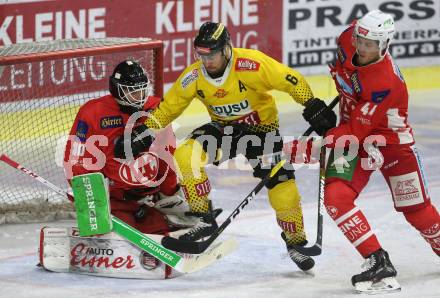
(127, 79)
(212, 37)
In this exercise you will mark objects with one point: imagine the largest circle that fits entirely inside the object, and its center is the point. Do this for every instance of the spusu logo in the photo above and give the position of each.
(141, 171)
(238, 109)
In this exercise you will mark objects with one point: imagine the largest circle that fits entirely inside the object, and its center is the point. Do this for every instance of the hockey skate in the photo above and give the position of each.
(303, 262)
(379, 275)
(204, 227)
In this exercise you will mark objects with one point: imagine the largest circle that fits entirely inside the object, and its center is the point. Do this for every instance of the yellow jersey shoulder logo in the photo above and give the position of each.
(189, 78)
(244, 64)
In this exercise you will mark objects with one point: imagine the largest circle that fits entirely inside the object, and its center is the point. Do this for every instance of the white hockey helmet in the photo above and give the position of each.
(376, 25)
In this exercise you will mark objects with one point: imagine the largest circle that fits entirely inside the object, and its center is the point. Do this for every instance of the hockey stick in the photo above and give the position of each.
(316, 249)
(196, 247)
(146, 242)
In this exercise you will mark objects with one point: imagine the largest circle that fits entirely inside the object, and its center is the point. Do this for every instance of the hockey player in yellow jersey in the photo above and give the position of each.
(233, 84)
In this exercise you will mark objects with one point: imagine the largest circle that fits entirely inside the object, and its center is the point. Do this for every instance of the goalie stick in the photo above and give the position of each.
(147, 242)
(196, 247)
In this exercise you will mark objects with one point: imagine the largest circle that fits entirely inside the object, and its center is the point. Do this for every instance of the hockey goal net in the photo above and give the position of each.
(42, 85)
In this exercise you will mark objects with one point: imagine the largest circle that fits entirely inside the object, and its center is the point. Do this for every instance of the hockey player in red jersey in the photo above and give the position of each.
(143, 188)
(374, 113)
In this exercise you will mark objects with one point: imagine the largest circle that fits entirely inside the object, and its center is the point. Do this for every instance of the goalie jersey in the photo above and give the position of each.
(90, 147)
(239, 96)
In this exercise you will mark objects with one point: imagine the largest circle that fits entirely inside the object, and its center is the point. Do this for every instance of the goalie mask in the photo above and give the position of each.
(378, 26)
(129, 84)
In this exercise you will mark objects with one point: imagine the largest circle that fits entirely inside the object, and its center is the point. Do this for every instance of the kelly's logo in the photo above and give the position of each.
(111, 122)
(243, 64)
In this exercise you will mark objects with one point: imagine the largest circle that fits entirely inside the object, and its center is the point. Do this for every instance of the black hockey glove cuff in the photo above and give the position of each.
(140, 140)
(319, 116)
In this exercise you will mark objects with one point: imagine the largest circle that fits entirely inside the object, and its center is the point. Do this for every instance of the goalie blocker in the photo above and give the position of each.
(92, 204)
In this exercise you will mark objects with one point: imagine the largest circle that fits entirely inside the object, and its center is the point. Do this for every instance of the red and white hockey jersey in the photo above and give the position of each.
(373, 98)
(90, 147)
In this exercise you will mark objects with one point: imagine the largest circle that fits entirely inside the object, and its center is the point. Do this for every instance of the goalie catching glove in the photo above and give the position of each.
(319, 116)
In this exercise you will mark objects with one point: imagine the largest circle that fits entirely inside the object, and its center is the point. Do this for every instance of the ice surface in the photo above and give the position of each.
(260, 266)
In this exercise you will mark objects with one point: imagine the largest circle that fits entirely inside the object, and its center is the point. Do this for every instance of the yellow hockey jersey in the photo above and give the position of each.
(240, 95)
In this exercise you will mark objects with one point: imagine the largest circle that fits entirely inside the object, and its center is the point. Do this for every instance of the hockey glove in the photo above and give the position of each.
(138, 143)
(320, 118)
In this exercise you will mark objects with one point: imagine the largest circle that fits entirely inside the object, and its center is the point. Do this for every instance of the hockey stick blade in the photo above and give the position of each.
(197, 247)
(314, 250)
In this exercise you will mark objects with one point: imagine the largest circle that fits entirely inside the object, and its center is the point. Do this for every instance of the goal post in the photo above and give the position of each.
(42, 85)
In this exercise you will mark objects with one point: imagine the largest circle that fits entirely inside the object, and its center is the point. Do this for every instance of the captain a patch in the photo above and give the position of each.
(379, 96)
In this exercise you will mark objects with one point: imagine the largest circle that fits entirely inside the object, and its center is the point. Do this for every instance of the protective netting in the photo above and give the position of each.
(65, 44)
(39, 99)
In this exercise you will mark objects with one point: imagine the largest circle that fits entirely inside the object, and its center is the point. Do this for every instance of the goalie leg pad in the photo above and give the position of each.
(63, 250)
